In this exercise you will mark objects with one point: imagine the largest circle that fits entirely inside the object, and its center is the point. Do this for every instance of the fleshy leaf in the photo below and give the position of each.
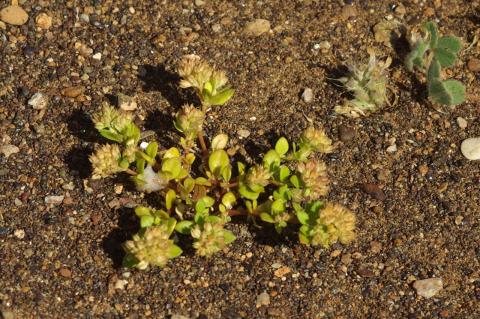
(184, 227)
(281, 146)
(170, 198)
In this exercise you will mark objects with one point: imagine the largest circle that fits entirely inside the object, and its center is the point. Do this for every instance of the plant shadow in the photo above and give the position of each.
(128, 225)
(158, 78)
(162, 124)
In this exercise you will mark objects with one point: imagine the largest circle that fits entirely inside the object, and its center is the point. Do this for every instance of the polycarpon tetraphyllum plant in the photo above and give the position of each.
(202, 188)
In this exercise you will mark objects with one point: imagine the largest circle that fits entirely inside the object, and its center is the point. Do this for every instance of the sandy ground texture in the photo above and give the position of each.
(60, 256)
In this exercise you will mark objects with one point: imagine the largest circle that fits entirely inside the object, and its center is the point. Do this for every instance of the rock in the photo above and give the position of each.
(73, 91)
(462, 123)
(282, 271)
(400, 9)
(178, 317)
(373, 190)
(307, 95)
(471, 148)
(346, 133)
(43, 21)
(97, 56)
(428, 288)
(85, 18)
(243, 133)
(38, 101)
(199, 3)
(257, 27)
(324, 46)
(263, 299)
(5, 314)
(348, 11)
(392, 148)
(474, 65)
(19, 233)
(423, 169)
(65, 272)
(54, 200)
(217, 27)
(120, 284)
(126, 103)
(14, 15)
(8, 149)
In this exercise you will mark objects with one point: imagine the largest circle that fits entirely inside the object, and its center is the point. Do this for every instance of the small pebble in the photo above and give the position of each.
(474, 65)
(8, 150)
(43, 21)
(257, 27)
(263, 299)
(458, 220)
(38, 101)
(217, 27)
(73, 91)
(346, 133)
(199, 3)
(126, 103)
(462, 123)
(428, 288)
(392, 148)
(19, 233)
(348, 11)
(470, 148)
(423, 169)
(374, 190)
(54, 200)
(65, 272)
(14, 15)
(243, 133)
(97, 56)
(85, 18)
(120, 284)
(282, 271)
(307, 95)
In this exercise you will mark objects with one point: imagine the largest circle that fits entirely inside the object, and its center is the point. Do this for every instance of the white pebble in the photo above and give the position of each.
(392, 148)
(243, 133)
(462, 123)
(263, 299)
(428, 288)
(471, 148)
(19, 233)
(8, 150)
(307, 95)
(97, 56)
(38, 101)
(54, 200)
(126, 103)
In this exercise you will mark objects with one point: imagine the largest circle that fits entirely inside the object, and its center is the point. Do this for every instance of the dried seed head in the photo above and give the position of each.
(335, 223)
(210, 238)
(105, 161)
(315, 178)
(316, 140)
(112, 118)
(151, 248)
(189, 121)
(258, 175)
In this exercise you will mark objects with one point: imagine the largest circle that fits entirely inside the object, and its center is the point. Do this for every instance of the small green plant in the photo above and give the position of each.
(202, 188)
(430, 54)
(368, 84)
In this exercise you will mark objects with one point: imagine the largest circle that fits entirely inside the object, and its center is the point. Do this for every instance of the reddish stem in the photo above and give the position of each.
(203, 145)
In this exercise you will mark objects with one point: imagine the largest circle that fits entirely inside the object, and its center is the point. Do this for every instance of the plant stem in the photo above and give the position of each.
(131, 172)
(240, 212)
(203, 146)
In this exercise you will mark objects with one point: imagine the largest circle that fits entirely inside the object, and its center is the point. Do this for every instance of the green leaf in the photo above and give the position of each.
(432, 29)
(449, 92)
(267, 218)
(123, 163)
(202, 181)
(219, 142)
(217, 161)
(221, 97)
(171, 223)
(142, 211)
(303, 239)
(278, 206)
(283, 173)
(434, 70)
(152, 149)
(172, 167)
(188, 184)
(146, 221)
(140, 165)
(190, 158)
(111, 136)
(173, 251)
(227, 173)
(451, 43)
(171, 153)
(271, 160)
(129, 261)
(302, 216)
(229, 200)
(170, 198)
(295, 181)
(247, 193)
(228, 236)
(281, 147)
(415, 57)
(445, 57)
(209, 201)
(208, 87)
(184, 227)
(241, 168)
